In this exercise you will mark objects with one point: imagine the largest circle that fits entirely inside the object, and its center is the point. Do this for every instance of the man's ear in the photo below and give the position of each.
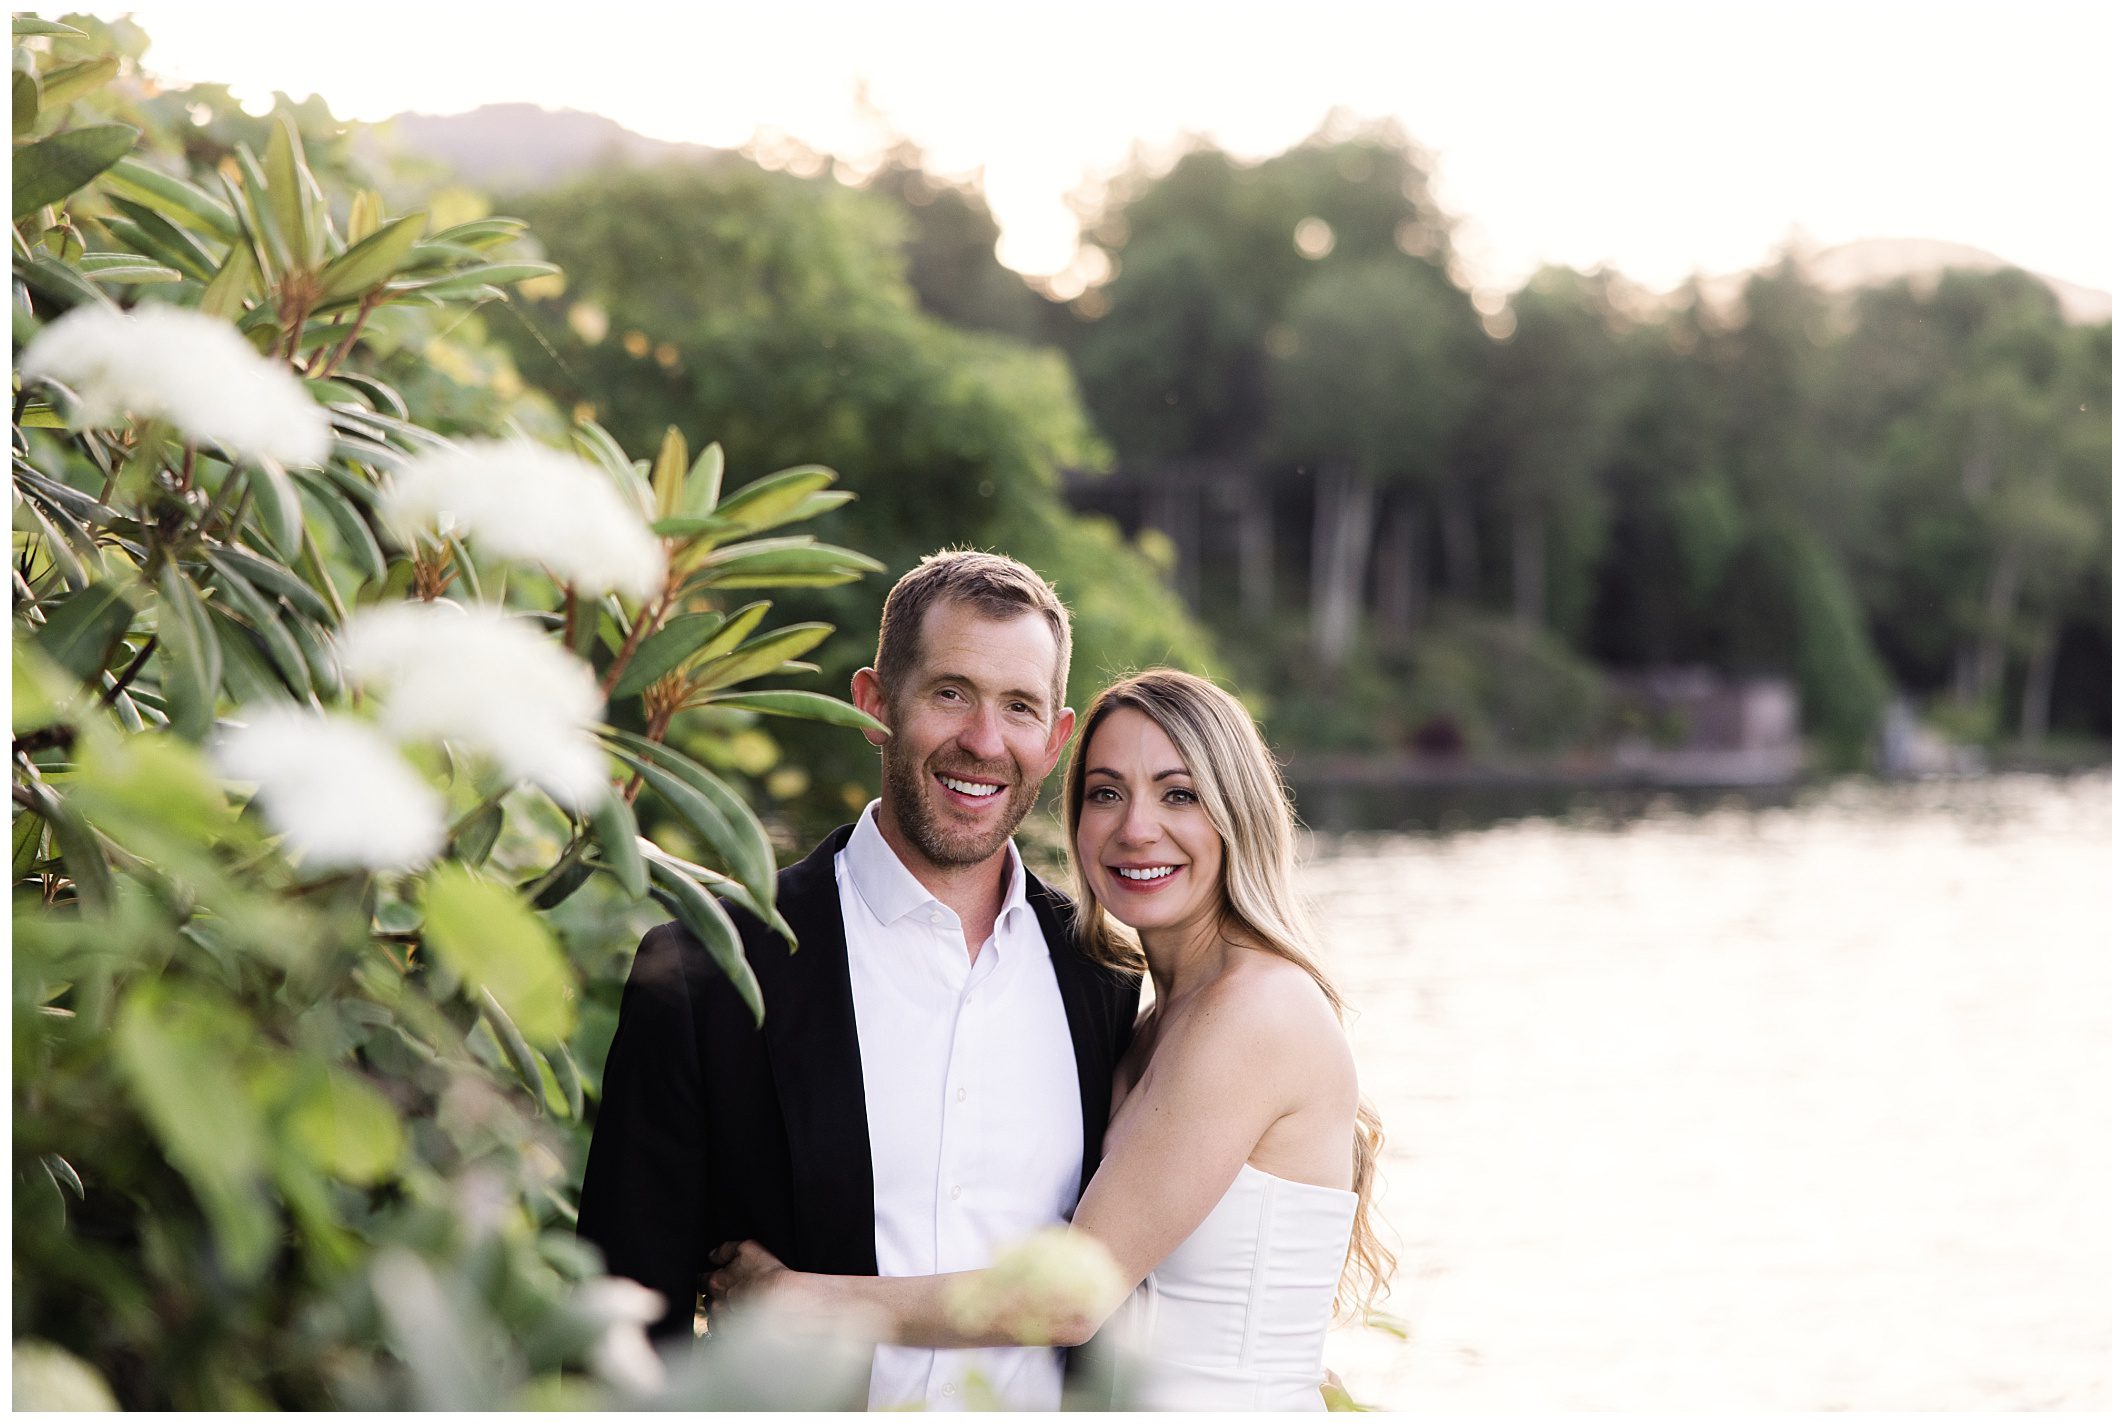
(1058, 738)
(869, 695)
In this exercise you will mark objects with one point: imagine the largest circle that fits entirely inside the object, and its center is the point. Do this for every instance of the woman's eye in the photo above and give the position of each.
(1101, 794)
(1180, 795)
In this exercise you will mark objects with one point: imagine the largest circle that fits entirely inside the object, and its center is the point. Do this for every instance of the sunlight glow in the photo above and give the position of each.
(1659, 138)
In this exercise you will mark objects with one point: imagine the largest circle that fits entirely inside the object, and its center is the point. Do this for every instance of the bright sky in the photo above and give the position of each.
(1663, 138)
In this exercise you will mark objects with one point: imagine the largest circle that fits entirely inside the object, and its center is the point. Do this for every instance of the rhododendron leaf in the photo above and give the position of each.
(50, 170)
(493, 941)
(765, 500)
(43, 693)
(28, 99)
(279, 507)
(153, 780)
(736, 631)
(667, 479)
(665, 649)
(172, 197)
(173, 1045)
(70, 81)
(521, 1055)
(189, 654)
(612, 820)
(284, 193)
(795, 563)
(717, 883)
(345, 1126)
(721, 816)
(710, 923)
(124, 269)
(80, 852)
(59, 282)
(233, 284)
(482, 232)
(266, 624)
(568, 1078)
(763, 654)
(476, 838)
(352, 532)
(704, 482)
(373, 260)
(813, 706)
(160, 238)
(81, 629)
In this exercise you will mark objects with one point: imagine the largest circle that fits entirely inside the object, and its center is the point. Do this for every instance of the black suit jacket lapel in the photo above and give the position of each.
(818, 1069)
(1090, 1028)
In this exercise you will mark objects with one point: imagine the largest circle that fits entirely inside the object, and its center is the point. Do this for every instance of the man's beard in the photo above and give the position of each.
(931, 828)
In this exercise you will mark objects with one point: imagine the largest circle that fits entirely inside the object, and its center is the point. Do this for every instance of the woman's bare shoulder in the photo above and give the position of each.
(1264, 1010)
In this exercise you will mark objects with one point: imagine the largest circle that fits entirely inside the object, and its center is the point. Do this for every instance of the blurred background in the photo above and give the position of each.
(1648, 470)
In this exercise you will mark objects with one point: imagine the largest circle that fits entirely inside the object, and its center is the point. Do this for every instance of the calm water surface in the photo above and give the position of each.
(1792, 1107)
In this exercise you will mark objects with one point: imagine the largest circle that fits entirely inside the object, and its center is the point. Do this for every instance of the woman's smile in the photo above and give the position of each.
(1144, 825)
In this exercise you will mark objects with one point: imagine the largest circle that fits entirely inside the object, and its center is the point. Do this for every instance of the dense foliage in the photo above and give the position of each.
(326, 731)
(1901, 489)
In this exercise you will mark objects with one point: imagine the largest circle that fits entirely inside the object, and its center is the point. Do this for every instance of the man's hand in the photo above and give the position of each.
(749, 1276)
(742, 1269)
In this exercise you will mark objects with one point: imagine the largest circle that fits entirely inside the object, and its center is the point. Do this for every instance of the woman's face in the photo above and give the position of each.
(1145, 841)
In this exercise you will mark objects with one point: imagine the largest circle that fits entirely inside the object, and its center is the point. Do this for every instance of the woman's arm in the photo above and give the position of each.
(1215, 1085)
(900, 1310)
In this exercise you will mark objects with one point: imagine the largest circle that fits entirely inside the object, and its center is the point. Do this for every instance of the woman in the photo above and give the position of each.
(1237, 1176)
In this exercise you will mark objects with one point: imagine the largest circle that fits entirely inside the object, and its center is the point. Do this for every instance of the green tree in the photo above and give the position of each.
(1985, 418)
(1372, 390)
(775, 310)
(1555, 393)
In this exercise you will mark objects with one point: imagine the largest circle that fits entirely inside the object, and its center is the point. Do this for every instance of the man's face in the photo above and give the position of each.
(973, 734)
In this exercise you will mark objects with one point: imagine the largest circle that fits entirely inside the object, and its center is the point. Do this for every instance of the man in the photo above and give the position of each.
(933, 1078)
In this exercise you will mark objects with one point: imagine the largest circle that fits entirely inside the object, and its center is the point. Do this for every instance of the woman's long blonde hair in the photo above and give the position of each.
(1236, 779)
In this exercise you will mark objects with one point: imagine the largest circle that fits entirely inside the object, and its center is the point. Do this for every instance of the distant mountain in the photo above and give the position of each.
(1872, 261)
(505, 146)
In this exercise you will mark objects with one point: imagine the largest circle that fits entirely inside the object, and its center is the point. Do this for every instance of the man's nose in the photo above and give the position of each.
(982, 735)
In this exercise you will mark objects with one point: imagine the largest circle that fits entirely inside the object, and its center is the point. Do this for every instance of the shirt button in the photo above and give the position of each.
(950, 1390)
(962, 1095)
(954, 1193)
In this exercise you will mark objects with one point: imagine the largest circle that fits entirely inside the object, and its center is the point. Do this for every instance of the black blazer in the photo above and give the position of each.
(711, 1130)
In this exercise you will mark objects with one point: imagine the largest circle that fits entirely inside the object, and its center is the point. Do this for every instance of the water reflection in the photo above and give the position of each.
(1798, 1105)
(1451, 809)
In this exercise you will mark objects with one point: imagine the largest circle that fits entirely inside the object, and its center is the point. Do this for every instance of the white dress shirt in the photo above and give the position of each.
(970, 1084)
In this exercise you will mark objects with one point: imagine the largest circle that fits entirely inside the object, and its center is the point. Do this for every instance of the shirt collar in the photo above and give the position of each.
(890, 889)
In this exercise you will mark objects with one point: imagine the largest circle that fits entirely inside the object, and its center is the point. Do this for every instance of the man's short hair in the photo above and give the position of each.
(994, 585)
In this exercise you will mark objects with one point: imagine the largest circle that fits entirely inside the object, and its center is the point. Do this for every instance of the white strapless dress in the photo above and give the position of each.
(1237, 1316)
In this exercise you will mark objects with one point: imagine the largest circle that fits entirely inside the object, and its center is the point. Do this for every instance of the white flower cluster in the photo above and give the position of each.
(1058, 1275)
(518, 500)
(488, 681)
(336, 788)
(622, 1354)
(161, 362)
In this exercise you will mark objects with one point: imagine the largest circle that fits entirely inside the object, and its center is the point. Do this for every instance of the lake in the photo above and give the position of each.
(1733, 1105)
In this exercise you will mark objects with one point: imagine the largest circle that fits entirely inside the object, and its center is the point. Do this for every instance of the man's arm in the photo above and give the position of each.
(645, 1186)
